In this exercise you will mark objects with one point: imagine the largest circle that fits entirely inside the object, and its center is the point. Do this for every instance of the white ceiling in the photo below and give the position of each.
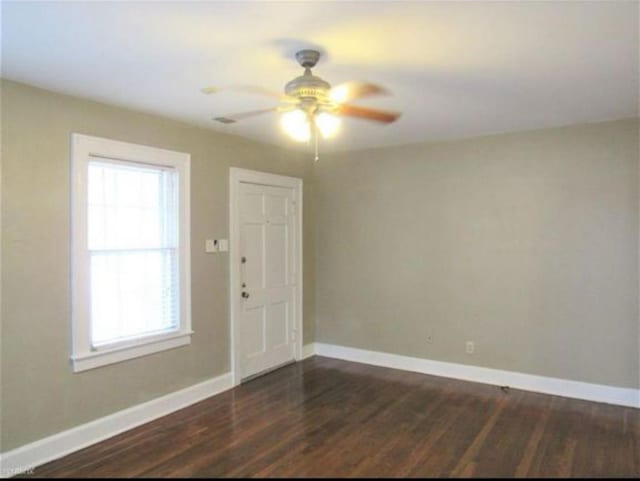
(456, 69)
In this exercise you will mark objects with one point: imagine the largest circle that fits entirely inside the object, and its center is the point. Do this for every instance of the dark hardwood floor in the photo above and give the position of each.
(324, 417)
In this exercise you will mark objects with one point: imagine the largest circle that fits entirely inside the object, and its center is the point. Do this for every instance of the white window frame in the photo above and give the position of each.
(85, 148)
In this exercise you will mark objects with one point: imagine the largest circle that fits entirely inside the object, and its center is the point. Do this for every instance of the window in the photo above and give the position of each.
(130, 251)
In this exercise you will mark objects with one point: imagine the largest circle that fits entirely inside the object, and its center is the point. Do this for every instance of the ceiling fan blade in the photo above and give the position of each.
(249, 89)
(230, 119)
(368, 114)
(348, 91)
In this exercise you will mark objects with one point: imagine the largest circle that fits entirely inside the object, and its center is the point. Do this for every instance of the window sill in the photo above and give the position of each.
(90, 360)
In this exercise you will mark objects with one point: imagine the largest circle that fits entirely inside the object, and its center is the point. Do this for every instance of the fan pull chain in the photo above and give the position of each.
(316, 136)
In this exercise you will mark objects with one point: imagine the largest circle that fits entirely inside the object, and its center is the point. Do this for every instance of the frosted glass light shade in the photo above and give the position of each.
(327, 124)
(296, 124)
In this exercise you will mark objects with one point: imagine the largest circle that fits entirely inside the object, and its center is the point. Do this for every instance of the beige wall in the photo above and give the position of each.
(525, 243)
(40, 394)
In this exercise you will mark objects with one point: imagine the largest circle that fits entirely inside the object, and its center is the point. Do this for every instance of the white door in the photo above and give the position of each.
(266, 324)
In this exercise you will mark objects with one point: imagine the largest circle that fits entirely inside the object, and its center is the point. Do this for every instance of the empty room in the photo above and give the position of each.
(320, 239)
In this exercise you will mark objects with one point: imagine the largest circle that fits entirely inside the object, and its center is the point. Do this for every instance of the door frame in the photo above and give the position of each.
(236, 177)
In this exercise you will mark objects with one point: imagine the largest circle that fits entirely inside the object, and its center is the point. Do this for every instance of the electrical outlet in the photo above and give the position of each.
(470, 347)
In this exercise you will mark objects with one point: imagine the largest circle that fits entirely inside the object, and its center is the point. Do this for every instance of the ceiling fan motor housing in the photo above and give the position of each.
(307, 85)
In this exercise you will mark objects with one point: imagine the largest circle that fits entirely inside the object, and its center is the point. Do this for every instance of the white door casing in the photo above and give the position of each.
(266, 271)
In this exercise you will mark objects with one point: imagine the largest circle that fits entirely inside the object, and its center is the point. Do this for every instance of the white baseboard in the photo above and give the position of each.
(53, 447)
(528, 382)
(308, 350)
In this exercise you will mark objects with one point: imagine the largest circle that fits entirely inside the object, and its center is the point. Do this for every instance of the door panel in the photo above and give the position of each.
(266, 326)
(252, 207)
(253, 331)
(252, 245)
(276, 261)
(278, 325)
(277, 208)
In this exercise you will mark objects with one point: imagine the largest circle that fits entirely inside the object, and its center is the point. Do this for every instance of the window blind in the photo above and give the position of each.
(133, 249)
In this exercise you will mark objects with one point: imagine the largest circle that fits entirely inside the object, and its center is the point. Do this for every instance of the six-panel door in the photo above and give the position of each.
(267, 277)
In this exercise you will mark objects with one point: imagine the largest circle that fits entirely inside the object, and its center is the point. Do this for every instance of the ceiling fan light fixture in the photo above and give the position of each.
(313, 108)
(328, 124)
(296, 124)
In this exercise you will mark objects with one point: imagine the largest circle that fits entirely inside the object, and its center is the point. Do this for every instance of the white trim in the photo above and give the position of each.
(142, 347)
(308, 350)
(83, 149)
(528, 382)
(53, 447)
(236, 176)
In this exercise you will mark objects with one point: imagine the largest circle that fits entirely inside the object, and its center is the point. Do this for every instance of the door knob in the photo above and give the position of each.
(245, 295)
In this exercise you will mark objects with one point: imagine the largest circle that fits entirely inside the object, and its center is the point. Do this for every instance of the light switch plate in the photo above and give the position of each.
(223, 245)
(210, 246)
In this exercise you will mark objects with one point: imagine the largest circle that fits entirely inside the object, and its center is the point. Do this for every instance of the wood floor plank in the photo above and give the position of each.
(329, 418)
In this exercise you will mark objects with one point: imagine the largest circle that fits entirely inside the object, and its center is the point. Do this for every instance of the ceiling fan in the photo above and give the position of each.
(310, 106)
